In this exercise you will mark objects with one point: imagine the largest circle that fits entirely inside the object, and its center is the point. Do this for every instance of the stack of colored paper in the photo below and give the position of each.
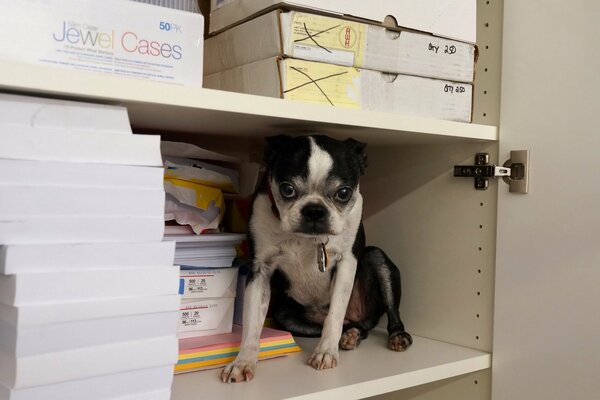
(213, 351)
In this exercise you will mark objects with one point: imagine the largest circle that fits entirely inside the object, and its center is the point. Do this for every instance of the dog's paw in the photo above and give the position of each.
(324, 359)
(238, 371)
(350, 339)
(400, 341)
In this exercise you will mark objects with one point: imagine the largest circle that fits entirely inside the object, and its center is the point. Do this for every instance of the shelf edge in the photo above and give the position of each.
(74, 84)
(404, 381)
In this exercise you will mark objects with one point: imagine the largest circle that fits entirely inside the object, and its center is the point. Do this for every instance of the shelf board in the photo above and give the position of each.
(370, 370)
(175, 108)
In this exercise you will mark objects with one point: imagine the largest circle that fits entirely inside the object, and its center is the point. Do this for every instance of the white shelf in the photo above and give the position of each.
(370, 370)
(159, 106)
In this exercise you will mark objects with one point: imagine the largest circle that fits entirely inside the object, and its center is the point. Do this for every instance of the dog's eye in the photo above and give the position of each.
(343, 194)
(287, 190)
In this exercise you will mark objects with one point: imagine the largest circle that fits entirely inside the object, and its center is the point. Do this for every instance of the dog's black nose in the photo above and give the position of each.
(314, 213)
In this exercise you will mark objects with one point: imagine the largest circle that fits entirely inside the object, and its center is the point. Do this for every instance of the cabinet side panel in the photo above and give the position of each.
(486, 88)
(440, 232)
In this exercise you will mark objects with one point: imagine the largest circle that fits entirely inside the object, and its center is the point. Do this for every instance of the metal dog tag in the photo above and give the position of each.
(322, 257)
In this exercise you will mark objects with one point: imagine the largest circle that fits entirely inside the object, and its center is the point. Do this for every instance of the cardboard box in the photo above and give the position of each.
(454, 19)
(53, 287)
(203, 317)
(81, 230)
(341, 86)
(62, 114)
(86, 362)
(111, 36)
(25, 200)
(36, 258)
(46, 144)
(38, 314)
(332, 40)
(114, 386)
(41, 339)
(208, 282)
(63, 174)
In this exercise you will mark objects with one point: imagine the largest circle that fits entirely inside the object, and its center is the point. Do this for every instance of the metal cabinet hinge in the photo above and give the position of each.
(514, 171)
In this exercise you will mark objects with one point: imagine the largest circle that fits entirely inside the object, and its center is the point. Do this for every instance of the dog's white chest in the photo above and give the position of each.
(308, 285)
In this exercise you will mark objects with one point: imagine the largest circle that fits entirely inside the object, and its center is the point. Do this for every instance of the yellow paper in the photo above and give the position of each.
(198, 195)
(321, 83)
(328, 39)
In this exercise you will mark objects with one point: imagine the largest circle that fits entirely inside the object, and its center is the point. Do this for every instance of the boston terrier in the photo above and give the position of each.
(307, 244)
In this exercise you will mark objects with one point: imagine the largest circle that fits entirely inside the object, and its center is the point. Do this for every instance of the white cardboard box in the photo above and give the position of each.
(203, 317)
(333, 40)
(49, 144)
(111, 36)
(87, 362)
(56, 173)
(50, 338)
(455, 19)
(32, 315)
(53, 230)
(53, 287)
(18, 201)
(208, 282)
(341, 86)
(34, 258)
(105, 387)
(77, 116)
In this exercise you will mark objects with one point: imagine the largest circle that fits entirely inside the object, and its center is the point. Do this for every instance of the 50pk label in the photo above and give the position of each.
(169, 27)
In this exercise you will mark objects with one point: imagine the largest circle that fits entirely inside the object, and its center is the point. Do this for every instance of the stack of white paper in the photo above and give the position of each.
(207, 251)
(89, 302)
(208, 282)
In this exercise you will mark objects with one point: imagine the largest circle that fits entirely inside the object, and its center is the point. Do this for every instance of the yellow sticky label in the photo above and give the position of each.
(322, 83)
(334, 40)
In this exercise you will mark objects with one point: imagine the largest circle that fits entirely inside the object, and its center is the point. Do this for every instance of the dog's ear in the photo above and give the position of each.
(273, 145)
(359, 150)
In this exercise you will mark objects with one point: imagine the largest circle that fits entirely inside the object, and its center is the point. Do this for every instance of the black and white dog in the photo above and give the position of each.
(308, 245)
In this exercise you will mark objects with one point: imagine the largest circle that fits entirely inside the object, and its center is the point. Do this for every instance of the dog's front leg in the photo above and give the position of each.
(256, 303)
(326, 354)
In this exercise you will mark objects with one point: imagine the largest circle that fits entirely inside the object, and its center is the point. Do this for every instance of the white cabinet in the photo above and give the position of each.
(482, 270)
(546, 325)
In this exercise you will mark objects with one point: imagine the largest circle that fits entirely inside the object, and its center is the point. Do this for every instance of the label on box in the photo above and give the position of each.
(321, 83)
(116, 37)
(326, 39)
(210, 282)
(205, 314)
(193, 317)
